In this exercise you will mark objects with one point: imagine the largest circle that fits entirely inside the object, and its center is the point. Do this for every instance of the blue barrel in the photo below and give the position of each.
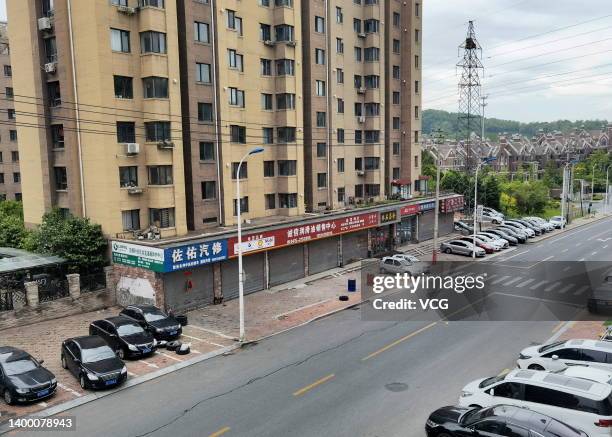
(352, 285)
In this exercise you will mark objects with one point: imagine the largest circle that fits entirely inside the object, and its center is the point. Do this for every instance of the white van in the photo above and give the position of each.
(586, 405)
(558, 355)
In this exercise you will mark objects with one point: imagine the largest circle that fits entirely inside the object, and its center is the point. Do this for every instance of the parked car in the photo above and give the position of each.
(416, 267)
(22, 378)
(588, 373)
(585, 405)
(498, 420)
(92, 362)
(488, 247)
(393, 265)
(461, 248)
(600, 299)
(514, 232)
(493, 218)
(519, 227)
(126, 337)
(513, 241)
(155, 321)
(463, 228)
(549, 226)
(559, 355)
(532, 231)
(558, 221)
(539, 226)
(502, 243)
(491, 211)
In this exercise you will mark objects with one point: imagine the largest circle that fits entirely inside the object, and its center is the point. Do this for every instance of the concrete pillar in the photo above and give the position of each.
(74, 285)
(306, 267)
(110, 278)
(217, 284)
(17, 303)
(31, 294)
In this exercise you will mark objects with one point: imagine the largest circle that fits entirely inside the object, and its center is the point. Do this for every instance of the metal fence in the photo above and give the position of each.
(93, 282)
(11, 288)
(6, 300)
(52, 288)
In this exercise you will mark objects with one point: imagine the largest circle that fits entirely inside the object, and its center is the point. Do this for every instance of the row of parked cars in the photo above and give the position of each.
(96, 360)
(562, 389)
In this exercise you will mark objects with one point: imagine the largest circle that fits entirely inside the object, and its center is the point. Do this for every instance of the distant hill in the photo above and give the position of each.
(447, 121)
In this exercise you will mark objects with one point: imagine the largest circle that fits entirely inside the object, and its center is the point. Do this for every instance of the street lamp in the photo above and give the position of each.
(566, 180)
(238, 212)
(439, 140)
(484, 161)
(607, 190)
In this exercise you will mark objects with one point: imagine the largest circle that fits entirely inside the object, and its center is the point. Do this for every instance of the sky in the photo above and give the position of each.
(576, 84)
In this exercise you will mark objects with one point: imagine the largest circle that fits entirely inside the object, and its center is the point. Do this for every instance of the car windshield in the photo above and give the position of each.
(19, 366)
(548, 347)
(97, 354)
(492, 380)
(129, 329)
(154, 315)
(475, 415)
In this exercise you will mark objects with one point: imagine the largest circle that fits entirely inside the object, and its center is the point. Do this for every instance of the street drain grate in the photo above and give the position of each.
(396, 386)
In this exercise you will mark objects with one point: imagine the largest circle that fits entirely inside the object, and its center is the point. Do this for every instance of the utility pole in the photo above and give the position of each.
(439, 139)
(484, 104)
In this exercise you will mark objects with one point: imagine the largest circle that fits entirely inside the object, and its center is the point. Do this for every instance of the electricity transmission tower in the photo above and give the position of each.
(469, 91)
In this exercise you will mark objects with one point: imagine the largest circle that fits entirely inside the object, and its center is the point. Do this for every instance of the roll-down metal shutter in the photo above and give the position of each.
(254, 280)
(201, 293)
(286, 264)
(426, 225)
(354, 246)
(446, 223)
(322, 255)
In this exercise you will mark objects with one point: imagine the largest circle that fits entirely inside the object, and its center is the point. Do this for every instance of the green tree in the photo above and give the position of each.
(490, 192)
(525, 197)
(12, 229)
(553, 176)
(429, 168)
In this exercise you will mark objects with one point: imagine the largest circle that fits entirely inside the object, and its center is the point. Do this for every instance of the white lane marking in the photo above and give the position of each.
(43, 404)
(522, 284)
(564, 250)
(594, 253)
(605, 247)
(581, 259)
(131, 374)
(551, 286)
(202, 340)
(69, 390)
(211, 331)
(498, 280)
(565, 289)
(509, 257)
(170, 356)
(538, 285)
(278, 316)
(565, 269)
(155, 366)
(512, 281)
(581, 290)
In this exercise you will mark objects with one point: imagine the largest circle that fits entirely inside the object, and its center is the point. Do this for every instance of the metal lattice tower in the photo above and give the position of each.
(469, 91)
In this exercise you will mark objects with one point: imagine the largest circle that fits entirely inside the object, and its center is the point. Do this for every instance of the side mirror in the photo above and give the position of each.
(40, 361)
(555, 357)
(492, 392)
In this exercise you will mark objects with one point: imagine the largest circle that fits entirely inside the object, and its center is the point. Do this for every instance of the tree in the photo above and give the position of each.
(524, 197)
(490, 192)
(12, 229)
(429, 167)
(553, 176)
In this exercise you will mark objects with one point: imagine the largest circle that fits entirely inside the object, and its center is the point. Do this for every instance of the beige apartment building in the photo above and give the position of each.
(149, 105)
(10, 175)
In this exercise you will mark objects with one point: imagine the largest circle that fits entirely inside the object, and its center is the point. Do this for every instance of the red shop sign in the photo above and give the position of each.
(409, 209)
(452, 204)
(301, 233)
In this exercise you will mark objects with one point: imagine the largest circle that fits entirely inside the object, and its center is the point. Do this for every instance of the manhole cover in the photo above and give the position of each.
(396, 386)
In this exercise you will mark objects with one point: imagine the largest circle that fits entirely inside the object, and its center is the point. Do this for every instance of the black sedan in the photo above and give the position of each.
(154, 320)
(500, 420)
(93, 362)
(22, 378)
(124, 336)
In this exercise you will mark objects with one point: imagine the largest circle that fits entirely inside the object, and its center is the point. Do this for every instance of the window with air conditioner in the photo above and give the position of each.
(128, 176)
(126, 132)
(157, 131)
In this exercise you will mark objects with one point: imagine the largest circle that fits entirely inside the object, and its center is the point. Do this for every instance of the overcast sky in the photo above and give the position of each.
(518, 85)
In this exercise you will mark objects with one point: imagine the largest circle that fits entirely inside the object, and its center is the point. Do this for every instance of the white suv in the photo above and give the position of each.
(557, 356)
(586, 405)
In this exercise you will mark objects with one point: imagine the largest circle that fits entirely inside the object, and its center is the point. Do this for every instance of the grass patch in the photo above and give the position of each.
(608, 323)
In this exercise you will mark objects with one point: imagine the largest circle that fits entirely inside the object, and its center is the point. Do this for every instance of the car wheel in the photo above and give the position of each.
(535, 367)
(8, 397)
(64, 364)
(448, 250)
(121, 354)
(82, 382)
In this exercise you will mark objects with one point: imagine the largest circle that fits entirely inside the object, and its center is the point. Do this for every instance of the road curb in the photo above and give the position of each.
(551, 235)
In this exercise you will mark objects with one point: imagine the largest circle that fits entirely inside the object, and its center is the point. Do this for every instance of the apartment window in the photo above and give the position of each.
(359, 190)
(126, 132)
(287, 3)
(357, 25)
(131, 219)
(417, 36)
(205, 111)
(286, 168)
(396, 46)
(416, 112)
(155, 87)
(372, 81)
(396, 72)
(340, 106)
(57, 135)
(2, 181)
(320, 56)
(50, 45)
(416, 86)
(340, 135)
(416, 61)
(161, 217)
(370, 2)
(160, 174)
(13, 135)
(61, 178)
(151, 3)
(321, 180)
(268, 135)
(201, 32)
(152, 42)
(15, 156)
(396, 173)
(265, 32)
(287, 200)
(266, 67)
(339, 15)
(340, 165)
(209, 190)
(371, 54)
(54, 94)
(372, 136)
(10, 114)
(285, 67)
(396, 123)
(321, 119)
(372, 190)
(358, 136)
(372, 109)
(321, 150)
(120, 41)
(124, 87)
(319, 24)
(283, 33)
(244, 205)
(207, 151)
(268, 169)
(270, 201)
(264, 3)
(233, 21)
(235, 60)
(372, 163)
(396, 19)
(357, 80)
(236, 97)
(357, 54)
(396, 97)
(18, 197)
(371, 25)
(358, 109)
(8, 71)
(156, 131)
(237, 134)
(203, 74)
(47, 6)
(416, 161)
(340, 75)
(417, 9)
(285, 101)
(9, 93)
(341, 194)
(128, 176)
(266, 101)
(339, 45)
(320, 88)
(285, 134)
(416, 136)
(396, 148)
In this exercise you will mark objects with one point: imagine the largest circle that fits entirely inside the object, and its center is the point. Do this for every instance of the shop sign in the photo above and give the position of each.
(409, 209)
(194, 255)
(135, 255)
(389, 217)
(427, 206)
(451, 204)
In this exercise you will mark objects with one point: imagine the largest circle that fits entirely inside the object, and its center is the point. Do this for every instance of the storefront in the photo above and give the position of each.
(254, 275)
(323, 255)
(406, 228)
(383, 238)
(354, 247)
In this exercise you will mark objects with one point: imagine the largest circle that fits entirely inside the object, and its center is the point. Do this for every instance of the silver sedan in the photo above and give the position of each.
(461, 248)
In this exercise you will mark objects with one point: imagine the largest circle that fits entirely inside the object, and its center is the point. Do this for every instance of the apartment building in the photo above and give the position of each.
(10, 175)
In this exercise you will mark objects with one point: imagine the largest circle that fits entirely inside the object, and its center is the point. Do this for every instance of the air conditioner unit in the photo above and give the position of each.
(132, 148)
(126, 10)
(361, 119)
(361, 90)
(269, 43)
(165, 144)
(291, 43)
(50, 67)
(45, 23)
(360, 173)
(135, 190)
(361, 35)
